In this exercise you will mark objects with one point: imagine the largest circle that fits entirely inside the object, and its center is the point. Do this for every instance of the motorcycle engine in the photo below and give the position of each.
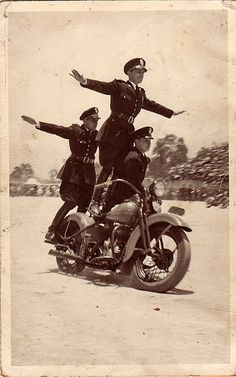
(106, 239)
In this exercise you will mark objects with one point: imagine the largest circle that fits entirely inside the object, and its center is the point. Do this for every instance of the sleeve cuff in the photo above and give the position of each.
(85, 83)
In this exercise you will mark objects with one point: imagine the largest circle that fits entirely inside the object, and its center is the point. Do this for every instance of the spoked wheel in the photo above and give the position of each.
(68, 228)
(168, 262)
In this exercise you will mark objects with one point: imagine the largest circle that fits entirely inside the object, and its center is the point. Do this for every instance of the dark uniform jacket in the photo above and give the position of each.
(79, 167)
(125, 102)
(134, 169)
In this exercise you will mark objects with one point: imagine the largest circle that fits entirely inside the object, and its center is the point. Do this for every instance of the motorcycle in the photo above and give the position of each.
(133, 238)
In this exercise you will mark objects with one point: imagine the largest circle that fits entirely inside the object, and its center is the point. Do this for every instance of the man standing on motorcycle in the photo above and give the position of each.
(78, 173)
(133, 167)
(127, 100)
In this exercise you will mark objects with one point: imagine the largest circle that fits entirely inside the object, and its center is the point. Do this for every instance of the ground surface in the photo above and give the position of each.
(96, 319)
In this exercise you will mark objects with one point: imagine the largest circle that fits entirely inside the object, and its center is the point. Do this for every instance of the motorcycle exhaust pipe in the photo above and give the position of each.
(62, 254)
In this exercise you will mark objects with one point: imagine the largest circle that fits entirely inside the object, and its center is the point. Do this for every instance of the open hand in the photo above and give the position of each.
(179, 112)
(77, 76)
(28, 119)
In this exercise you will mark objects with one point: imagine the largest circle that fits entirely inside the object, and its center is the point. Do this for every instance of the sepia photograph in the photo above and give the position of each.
(117, 188)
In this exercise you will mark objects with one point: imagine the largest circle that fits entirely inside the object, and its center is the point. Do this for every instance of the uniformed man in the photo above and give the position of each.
(134, 167)
(127, 100)
(78, 173)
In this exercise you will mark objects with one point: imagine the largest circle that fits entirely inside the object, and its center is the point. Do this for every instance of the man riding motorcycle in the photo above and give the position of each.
(133, 168)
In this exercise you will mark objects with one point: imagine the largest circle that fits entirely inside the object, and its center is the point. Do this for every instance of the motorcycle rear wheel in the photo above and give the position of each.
(146, 275)
(67, 228)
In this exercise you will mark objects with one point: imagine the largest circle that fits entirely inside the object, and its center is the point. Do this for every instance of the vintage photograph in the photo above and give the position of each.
(116, 237)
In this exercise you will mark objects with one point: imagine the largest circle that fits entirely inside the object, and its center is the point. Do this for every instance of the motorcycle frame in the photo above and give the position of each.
(143, 226)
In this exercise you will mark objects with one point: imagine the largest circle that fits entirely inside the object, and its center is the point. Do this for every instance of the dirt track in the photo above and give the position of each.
(97, 319)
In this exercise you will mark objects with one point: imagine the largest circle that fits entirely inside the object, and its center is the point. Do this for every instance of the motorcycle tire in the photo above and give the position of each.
(68, 227)
(140, 275)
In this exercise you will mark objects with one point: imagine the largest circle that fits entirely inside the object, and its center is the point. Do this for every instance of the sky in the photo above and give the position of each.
(186, 57)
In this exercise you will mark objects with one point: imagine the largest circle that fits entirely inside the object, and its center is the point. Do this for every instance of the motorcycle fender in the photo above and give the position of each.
(167, 218)
(82, 219)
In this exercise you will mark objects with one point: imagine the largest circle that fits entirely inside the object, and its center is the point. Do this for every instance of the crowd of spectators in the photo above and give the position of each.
(34, 189)
(209, 165)
(211, 168)
(212, 195)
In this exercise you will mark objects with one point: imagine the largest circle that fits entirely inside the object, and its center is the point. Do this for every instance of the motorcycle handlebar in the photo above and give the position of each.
(110, 182)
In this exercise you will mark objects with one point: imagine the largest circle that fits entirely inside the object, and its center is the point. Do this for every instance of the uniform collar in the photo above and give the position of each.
(140, 153)
(86, 129)
(134, 86)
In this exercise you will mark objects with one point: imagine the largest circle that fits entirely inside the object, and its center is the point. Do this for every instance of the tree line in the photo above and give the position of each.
(169, 160)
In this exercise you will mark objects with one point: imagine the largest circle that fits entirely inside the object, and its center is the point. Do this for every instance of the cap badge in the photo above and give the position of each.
(141, 62)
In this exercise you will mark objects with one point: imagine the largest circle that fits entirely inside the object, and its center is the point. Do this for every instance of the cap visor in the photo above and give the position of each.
(94, 117)
(141, 67)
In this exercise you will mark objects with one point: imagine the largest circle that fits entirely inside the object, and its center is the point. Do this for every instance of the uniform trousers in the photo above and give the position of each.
(73, 195)
(110, 157)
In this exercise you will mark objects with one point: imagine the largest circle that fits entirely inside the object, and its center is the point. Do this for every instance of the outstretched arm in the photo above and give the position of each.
(65, 132)
(156, 108)
(98, 86)
(159, 109)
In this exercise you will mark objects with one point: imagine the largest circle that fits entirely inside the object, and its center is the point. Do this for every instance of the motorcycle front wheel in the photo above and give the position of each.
(68, 228)
(168, 263)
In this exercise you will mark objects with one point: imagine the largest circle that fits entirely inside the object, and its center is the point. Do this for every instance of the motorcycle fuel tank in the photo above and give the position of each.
(124, 213)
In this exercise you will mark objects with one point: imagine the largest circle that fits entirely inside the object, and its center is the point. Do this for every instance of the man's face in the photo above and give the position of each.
(143, 144)
(91, 123)
(136, 75)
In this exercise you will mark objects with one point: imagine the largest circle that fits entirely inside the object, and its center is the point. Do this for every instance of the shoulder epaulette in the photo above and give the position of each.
(77, 128)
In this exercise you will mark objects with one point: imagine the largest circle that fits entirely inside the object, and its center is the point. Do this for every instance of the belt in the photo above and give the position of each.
(128, 118)
(85, 160)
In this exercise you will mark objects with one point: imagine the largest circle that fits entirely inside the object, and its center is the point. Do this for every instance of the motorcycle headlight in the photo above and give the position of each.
(157, 188)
